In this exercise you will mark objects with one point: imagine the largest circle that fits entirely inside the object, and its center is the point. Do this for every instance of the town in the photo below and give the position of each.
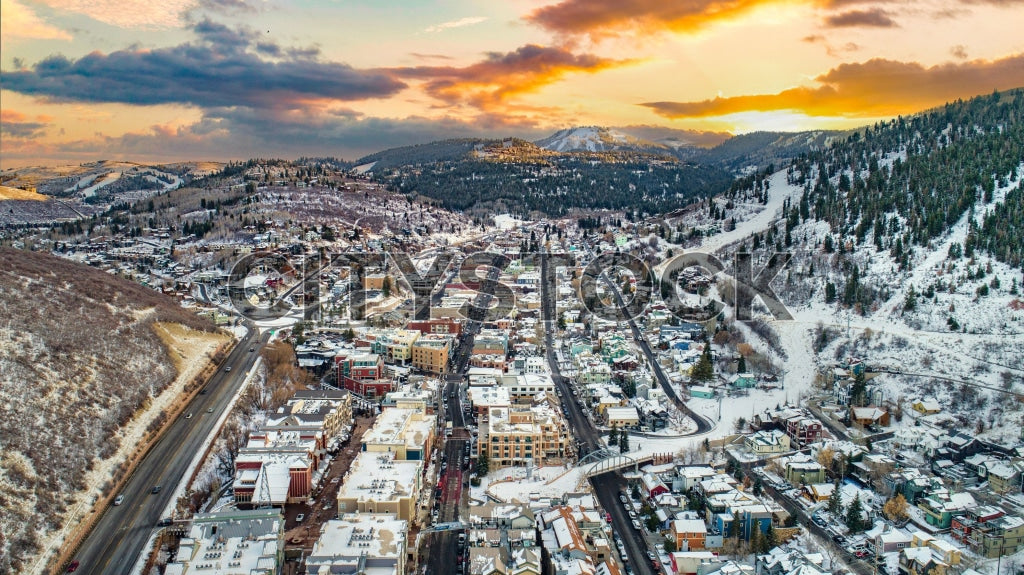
(433, 435)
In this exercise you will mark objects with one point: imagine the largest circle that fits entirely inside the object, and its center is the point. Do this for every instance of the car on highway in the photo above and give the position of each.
(228, 368)
(156, 489)
(202, 391)
(210, 410)
(188, 415)
(72, 567)
(119, 500)
(252, 349)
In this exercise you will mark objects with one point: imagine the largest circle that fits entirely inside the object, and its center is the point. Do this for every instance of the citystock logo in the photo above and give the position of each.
(270, 285)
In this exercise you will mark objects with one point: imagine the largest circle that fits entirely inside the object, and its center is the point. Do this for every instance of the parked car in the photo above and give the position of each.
(636, 525)
(300, 517)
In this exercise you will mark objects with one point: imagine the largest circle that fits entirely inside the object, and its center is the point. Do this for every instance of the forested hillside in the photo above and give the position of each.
(921, 218)
(942, 163)
(518, 176)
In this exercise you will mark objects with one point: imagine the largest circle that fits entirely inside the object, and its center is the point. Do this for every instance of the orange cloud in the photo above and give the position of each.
(498, 77)
(876, 88)
(609, 17)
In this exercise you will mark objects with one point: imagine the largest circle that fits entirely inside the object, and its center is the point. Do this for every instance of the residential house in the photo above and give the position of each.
(767, 442)
(941, 506)
(689, 534)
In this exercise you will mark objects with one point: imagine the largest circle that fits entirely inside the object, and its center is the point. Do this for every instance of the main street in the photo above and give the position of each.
(441, 547)
(121, 534)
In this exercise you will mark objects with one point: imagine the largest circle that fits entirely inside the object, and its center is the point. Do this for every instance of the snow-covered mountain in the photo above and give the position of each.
(635, 139)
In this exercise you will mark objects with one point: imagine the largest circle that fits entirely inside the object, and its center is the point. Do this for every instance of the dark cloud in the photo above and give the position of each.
(229, 6)
(875, 88)
(22, 130)
(873, 18)
(959, 52)
(223, 68)
(422, 56)
(240, 133)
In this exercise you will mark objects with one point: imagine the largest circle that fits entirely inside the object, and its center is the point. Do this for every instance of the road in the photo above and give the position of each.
(703, 425)
(441, 547)
(120, 535)
(607, 486)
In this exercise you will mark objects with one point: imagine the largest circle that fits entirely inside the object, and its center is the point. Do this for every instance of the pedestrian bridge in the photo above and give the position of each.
(603, 461)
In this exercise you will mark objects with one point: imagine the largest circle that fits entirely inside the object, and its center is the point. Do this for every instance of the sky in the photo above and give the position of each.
(174, 80)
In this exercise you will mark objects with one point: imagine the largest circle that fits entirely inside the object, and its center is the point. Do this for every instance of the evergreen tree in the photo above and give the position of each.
(830, 292)
(483, 463)
(741, 365)
(855, 516)
(623, 442)
(771, 537)
(835, 502)
(910, 302)
(704, 370)
(858, 393)
(613, 434)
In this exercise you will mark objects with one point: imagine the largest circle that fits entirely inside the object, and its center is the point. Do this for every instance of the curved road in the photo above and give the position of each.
(120, 536)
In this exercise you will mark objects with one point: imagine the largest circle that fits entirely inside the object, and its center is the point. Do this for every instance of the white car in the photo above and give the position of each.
(119, 500)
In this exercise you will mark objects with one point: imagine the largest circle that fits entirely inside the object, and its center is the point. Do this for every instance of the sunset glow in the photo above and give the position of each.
(224, 79)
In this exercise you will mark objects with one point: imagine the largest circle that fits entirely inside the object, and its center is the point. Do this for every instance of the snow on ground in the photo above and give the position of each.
(512, 483)
(190, 349)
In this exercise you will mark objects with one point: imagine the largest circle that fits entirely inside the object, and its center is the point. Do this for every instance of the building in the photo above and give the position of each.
(940, 507)
(520, 436)
(379, 483)
(804, 470)
(360, 543)
(359, 366)
(442, 326)
(621, 417)
(431, 353)
(689, 534)
(278, 467)
(988, 531)
(767, 442)
(394, 345)
(406, 434)
(803, 431)
(327, 411)
(225, 542)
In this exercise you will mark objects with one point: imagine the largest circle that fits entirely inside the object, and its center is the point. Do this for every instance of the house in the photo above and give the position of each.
(870, 415)
(689, 534)
(921, 561)
(926, 406)
(941, 506)
(804, 471)
(767, 442)
(690, 562)
(702, 391)
(622, 417)
(817, 492)
(887, 539)
(989, 532)
(653, 486)
(742, 380)
(1004, 477)
(803, 430)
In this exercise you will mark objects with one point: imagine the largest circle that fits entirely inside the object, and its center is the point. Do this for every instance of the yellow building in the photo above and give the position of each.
(431, 353)
(394, 345)
(404, 433)
(379, 483)
(514, 437)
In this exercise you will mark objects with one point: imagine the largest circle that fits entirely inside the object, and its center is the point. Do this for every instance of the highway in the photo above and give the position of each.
(120, 536)
(607, 486)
